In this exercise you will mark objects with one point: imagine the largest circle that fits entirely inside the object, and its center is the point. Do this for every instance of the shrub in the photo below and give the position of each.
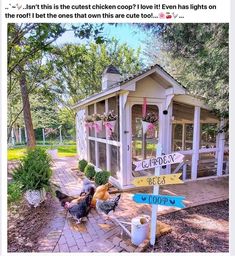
(14, 192)
(82, 164)
(102, 177)
(89, 171)
(34, 171)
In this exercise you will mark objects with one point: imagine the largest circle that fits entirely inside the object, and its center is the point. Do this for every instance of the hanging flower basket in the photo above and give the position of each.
(109, 122)
(110, 126)
(97, 126)
(147, 126)
(97, 122)
(89, 125)
(149, 122)
(89, 122)
(35, 197)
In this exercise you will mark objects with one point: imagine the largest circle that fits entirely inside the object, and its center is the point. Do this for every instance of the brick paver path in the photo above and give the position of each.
(98, 235)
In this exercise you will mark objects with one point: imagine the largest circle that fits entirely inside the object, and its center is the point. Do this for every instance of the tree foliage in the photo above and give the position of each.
(28, 43)
(78, 68)
(54, 78)
(198, 56)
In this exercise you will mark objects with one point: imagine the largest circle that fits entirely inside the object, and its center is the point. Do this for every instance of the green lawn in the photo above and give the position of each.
(63, 151)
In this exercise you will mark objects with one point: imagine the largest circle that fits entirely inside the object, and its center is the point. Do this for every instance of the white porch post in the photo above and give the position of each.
(96, 144)
(217, 142)
(183, 136)
(220, 156)
(124, 168)
(168, 137)
(196, 141)
(108, 147)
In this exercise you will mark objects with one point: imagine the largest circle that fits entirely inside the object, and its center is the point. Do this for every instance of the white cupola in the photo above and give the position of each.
(110, 77)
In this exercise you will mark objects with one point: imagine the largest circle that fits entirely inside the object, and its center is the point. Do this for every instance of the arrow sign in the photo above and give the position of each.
(175, 201)
(159, 161)
(157, 180)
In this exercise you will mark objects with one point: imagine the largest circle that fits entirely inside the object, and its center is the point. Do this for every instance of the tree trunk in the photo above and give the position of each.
(16, 132)
(26, 110)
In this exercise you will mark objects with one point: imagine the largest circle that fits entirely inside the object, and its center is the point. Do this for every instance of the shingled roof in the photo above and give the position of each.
(114, 70)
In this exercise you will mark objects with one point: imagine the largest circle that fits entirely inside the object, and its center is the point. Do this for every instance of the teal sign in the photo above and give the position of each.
(174, 201)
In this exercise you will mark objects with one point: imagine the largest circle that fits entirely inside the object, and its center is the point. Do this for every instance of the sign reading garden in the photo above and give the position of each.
(155, 199)
(159, 161)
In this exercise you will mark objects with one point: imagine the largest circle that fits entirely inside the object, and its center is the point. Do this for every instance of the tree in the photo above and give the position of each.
(197, 55)
(78, 68)
(28, 42)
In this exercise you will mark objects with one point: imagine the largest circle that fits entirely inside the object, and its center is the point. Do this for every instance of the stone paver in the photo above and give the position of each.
(94, 237)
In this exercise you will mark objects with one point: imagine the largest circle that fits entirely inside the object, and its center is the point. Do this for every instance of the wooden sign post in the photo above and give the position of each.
(155, 199)
(155, 206)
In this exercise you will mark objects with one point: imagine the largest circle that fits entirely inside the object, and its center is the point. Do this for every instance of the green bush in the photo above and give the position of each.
(102, 177)
(82, 164)
(34, 171)
(89, 171)
(14, 192)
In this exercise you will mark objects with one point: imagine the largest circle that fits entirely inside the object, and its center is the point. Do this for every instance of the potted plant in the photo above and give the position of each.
(34, 173)
(109, 122)
(149, 121)
(102, 177)
(89, 122)
(82, 164)
(89, 171)
(52, 151)
(97, 122)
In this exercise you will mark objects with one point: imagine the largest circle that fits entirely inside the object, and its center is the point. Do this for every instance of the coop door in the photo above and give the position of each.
(143, 144)
(81, 135)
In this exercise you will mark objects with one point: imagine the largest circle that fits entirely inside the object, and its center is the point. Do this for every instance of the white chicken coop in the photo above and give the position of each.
(185, 124)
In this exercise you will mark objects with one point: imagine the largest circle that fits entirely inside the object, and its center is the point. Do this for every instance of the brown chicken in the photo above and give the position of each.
(101, 193)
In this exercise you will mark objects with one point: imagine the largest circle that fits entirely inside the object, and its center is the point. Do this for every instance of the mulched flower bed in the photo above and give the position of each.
(203, 228)
(26, 224)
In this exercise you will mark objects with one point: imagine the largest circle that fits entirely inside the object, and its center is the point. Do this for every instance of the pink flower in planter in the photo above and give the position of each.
(89, 125)
(147, 126)
(149, 122)
(110, 125)
(97, 126)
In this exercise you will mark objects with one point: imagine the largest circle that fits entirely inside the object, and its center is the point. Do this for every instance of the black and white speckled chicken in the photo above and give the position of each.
(82, 208)
(107, 206)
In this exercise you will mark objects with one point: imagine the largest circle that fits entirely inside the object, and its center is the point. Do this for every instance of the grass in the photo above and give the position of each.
(16, 153)
(63, 151)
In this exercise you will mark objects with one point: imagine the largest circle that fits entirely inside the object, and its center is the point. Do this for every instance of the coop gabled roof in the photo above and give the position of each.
(122, 85)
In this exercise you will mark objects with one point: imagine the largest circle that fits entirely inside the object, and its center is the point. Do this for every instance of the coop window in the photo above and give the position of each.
(104, 148)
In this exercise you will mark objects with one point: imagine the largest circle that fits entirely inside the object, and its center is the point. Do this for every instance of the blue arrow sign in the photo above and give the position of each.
(175, 201)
